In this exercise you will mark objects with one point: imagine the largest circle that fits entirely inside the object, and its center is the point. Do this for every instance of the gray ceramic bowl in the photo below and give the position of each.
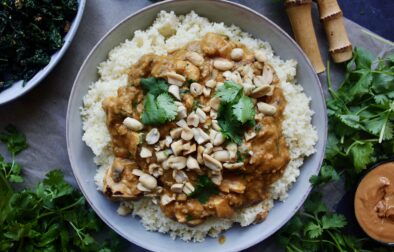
(17, 89)
(81, 157)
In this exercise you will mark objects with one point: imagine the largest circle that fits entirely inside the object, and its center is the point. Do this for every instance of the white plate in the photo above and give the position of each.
(81, 157)
(17, 89)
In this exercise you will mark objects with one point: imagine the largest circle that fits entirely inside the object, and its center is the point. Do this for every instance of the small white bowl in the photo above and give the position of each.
(17, 89)
(81, 157)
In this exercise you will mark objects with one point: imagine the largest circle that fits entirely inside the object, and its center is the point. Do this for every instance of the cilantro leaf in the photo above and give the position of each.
(154, 86)
(236, 112)
(229, 124)
(313, 230)
(159, 107)
(229, 91)
(327, 174)
(380, 125)
(244, 110)
(16, 141)
(333, 221)
(159, 110)
(204, 189)
(362, 58)
(167, 106)
(152, 114)
(362, 155)
(51, 217)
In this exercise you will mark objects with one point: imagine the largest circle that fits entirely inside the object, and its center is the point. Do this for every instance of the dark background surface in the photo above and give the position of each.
(376, 15)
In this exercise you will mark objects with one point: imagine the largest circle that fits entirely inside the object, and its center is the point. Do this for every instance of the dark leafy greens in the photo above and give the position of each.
(30, 32)
(51, 217)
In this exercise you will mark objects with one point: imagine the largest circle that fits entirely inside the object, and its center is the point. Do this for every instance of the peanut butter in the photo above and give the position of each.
(374, 203)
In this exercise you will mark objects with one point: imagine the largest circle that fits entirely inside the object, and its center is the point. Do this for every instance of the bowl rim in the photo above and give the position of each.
(236, 5)
(44, 72)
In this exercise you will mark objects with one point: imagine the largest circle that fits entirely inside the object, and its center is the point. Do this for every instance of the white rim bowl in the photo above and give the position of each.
(81, 157)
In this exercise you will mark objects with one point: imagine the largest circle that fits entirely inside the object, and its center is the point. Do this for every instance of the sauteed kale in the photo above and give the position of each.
(30, 32)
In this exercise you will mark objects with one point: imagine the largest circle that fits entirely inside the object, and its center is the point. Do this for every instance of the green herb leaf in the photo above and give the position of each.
(327, 174)
(236, 111)
(167, 106)
(152, 114)
(229, 124)
(51, 217)
(154, 86)
(244, 110)
(159, 107)
(333, 221)
(16, 141)
(313, 230)
(204, 189)
(362, 155)
(229, 91)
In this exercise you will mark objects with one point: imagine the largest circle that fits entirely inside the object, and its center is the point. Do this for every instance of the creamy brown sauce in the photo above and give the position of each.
(374, 203)
(239, 188)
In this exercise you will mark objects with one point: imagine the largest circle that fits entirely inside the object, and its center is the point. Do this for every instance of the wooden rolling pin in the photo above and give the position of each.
(331, 16)
(300, 15)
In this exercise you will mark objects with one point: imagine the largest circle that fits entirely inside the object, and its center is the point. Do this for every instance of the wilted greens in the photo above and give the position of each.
(30, 32)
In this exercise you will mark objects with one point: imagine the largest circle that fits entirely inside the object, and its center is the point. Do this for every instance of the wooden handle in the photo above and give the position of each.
(331, 16)
(300, 15)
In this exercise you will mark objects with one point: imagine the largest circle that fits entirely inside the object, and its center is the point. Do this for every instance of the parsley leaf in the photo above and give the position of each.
(204, 189)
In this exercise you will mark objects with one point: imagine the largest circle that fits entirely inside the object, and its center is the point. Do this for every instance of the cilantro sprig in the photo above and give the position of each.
(236, 112)
(361, 114)
(159, 106)
(51, 217)
(360, 133)
(315, 228)
(16, 143)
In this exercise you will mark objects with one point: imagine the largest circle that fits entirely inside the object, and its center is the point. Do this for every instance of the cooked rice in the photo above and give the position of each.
(170, 32)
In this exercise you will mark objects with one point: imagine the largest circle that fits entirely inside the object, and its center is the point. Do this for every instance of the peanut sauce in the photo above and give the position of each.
(374, 203)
